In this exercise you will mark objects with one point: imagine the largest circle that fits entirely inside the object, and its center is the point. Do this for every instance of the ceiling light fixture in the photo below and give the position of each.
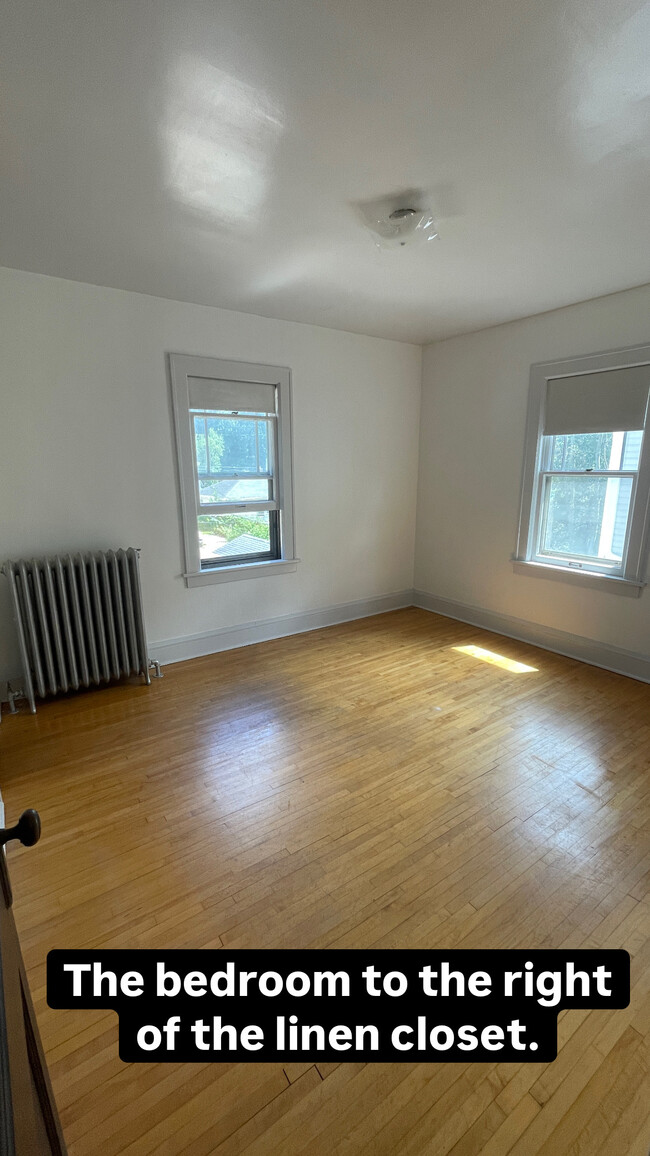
(404, 225)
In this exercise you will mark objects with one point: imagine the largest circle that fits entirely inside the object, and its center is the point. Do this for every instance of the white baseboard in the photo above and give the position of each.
(587, 650)
(231, 637)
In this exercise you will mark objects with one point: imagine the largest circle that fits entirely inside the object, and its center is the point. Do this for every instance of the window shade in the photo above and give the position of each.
(245, 396)
(615, 399)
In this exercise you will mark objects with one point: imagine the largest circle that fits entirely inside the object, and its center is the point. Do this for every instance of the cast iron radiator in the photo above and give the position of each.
(79, 620)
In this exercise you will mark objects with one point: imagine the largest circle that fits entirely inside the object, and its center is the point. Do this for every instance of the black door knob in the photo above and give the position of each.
(27, 829)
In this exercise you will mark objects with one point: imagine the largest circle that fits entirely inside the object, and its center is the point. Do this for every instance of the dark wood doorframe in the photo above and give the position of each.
(29, 1122)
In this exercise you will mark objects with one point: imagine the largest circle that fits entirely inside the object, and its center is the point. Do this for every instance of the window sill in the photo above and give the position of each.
(244, 570)
(595, 581)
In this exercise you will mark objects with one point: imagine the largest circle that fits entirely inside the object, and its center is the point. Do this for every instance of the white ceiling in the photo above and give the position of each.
(217, 152)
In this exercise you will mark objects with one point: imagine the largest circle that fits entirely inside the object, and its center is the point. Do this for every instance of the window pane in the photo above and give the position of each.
(596, 451)
(234, 490)
(232, 445)
(223, 536)
(585, 517)
(590, 451)
(199, 438)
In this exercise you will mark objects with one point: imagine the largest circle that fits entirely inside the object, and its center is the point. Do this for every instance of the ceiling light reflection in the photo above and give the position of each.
(218, 139)
(611, 84)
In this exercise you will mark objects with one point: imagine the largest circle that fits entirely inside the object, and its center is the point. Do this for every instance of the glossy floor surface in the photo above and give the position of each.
(368, 784)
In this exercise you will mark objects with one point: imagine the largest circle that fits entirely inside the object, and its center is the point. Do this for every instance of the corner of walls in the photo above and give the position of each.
(473, 414)
(613, 658)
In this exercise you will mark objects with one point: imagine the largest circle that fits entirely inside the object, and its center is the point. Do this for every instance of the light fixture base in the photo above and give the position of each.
(402, 226)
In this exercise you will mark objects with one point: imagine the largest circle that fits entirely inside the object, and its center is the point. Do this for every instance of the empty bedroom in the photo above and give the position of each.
(324, 619)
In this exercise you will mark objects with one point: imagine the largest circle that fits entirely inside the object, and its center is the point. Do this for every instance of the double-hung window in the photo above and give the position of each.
(233, 436)
(586, 491)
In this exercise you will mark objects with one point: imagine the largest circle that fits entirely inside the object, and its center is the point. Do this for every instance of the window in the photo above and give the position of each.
(586, 487)
(233, 436)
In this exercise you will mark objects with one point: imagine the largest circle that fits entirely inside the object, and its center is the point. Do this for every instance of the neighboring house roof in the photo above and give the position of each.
(244, 544)
(238, 490)
(241, 489)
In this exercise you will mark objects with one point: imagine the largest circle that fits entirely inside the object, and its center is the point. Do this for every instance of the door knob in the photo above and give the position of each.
(27, 829)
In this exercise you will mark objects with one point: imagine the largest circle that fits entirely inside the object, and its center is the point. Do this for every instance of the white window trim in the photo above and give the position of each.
(631, 581)
(182, 366)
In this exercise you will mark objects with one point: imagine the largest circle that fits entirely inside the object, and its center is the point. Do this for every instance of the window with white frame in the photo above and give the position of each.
(586, 487)
(233, 437)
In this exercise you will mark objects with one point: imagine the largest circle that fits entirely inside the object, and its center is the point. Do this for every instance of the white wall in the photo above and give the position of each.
(87, 454)
(474, 399)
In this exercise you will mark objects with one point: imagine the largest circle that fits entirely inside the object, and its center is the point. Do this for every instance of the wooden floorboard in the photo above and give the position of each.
(366, 785)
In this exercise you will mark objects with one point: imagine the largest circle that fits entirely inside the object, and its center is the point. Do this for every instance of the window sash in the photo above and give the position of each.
(546, 457)
(574, 558)
(590, 473)
(579, 561)
(228, 475)
(235, 507)
(570, 559)
(271, 426)
(270, 555)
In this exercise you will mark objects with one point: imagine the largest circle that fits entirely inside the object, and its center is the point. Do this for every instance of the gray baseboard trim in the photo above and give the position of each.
(231, 637)
(587, 650)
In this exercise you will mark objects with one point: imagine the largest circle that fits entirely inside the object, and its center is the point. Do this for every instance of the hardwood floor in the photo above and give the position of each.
(363, 785)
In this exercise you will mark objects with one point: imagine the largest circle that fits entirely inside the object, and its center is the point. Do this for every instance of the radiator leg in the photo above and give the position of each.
(13, 694)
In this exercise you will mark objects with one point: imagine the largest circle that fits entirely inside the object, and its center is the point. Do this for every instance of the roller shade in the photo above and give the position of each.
(615, 399)
(244, 396)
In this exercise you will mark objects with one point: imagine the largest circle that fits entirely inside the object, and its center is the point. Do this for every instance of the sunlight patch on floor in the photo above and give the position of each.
(495, 659)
